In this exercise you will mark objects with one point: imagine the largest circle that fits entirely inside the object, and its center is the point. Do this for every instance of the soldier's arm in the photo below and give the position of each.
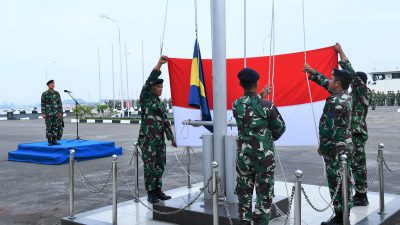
(277, 124)
(168, 130)
(60, 108)
(317, 77)
(328, 130)
(43, 104)
(155, 74)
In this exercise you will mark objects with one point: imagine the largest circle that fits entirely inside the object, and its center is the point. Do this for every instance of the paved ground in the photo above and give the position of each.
(38, 194)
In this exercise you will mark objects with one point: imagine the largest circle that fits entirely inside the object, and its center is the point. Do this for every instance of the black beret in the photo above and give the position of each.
(50, 81)
(342, 74)
(363, 76)
(248, 75)
(158, 81)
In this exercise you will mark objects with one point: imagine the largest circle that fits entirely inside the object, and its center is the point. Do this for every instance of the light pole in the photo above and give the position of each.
(127, 80)
(120, 56)
(49, 64)
(98, 60)
(113, 77)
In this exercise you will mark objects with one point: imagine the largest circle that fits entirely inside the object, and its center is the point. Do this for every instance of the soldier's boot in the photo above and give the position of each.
(360, 199)
(50, 141)
(152, 197)
(336, 220)
(161, 195)
(54, 140)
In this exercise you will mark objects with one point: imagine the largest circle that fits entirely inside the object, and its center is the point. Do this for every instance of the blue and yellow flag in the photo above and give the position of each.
(197, 95)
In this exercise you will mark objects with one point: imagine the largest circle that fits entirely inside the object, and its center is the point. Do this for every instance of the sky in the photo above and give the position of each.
(33, 34)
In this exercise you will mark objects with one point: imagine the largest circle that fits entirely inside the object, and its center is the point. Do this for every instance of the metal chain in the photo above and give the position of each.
(160, 212)
(378, 160)
(387, 167)
(332, 199)
(90, 186)
(220, 182)
(290, 205)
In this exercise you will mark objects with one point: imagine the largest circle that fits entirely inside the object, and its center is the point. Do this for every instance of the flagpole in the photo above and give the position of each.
(218, 33)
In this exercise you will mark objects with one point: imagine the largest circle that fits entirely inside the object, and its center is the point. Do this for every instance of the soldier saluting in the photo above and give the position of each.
(259, 125)
(52, 112)
(151, 139)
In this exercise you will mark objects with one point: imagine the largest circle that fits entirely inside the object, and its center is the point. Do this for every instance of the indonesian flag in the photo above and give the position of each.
(289, 83)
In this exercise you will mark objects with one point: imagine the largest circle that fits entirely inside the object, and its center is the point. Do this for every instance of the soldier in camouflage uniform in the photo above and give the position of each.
(398, 98)
(52, 112)
(335, 133)
(259, 125)
(374, 99)
(151, 139)
(362, 96)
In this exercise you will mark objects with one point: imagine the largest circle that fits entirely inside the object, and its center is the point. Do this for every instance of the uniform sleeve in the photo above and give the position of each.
(276, 125)
(168, 130)
(59, 104)
(43, 104)
(319, 78)
(346, 65)
(327, 130)
(360, 88)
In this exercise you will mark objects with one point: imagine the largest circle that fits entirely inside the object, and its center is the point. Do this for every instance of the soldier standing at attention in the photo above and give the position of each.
(373, 100)
(52, 112)
(335, 133)
(361, 95)
(398, 98)
(259, 125)
(151, 134)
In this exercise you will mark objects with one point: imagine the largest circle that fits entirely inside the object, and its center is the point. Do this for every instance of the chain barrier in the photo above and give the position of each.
(387, 166)
(221, 188)
(90, 186)
(332, 199)
(161, 212)
(290, 205)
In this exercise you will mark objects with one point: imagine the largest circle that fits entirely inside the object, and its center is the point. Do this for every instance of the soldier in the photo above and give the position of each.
(386, 99)
(398, 98)
(151, 135)
(259, 125)
(52, 112)
(373, 99)
(361, 96)
(335, 133)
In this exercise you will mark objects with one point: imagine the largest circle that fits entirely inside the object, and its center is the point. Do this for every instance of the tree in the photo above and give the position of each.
(83, 110)
(101, 108)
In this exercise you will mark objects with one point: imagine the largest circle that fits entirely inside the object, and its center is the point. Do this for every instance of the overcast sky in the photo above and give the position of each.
(36, 33)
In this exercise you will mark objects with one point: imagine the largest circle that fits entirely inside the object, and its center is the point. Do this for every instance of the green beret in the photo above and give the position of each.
(248, 75)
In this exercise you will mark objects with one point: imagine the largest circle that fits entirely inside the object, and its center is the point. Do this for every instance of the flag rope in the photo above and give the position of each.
(165, 22)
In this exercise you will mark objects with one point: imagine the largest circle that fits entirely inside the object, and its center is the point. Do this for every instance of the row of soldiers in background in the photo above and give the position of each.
(381, 99)
(135, 104)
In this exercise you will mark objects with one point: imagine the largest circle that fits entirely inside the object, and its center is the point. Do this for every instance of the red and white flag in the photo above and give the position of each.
(290, 88)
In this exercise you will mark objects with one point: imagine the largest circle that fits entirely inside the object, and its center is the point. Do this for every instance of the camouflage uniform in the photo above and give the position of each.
(259, 124)
(362, 96)
(53, 111)
(335, 137)
(398, 98)
(151, 135)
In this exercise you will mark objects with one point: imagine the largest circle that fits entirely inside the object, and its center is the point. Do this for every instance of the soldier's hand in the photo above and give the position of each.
(307, 68)
(338, 48)
(319, 151)
(266, 91)
(43, 116)
(163, 59)
(174, 144)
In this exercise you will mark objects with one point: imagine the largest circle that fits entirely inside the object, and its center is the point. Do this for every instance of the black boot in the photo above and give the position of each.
(360, 199)
(152, 197)
(336, 220)
(161, 195)
(55, 141)
(50, 141)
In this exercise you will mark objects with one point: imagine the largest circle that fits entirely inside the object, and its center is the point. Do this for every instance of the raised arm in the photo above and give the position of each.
(316, 76)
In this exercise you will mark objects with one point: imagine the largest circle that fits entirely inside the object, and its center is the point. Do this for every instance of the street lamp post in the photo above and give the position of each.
(120, 56)
(127, 80)
(49, 64)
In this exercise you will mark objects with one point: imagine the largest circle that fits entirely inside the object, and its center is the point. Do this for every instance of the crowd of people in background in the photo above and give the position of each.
(380, 98)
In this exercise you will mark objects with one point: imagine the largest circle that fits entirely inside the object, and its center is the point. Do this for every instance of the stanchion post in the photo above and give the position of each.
(345, 194)
(136, 169)
(189, 183)
(381, 180)
(71, 184)
(114, 190)
(297, 198)
(214, 166)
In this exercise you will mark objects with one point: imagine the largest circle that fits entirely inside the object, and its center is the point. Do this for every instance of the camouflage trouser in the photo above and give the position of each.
(54, 127)
(154, 160)
(359, 163)
(373, 104)
(264, 184)
(333, 166)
